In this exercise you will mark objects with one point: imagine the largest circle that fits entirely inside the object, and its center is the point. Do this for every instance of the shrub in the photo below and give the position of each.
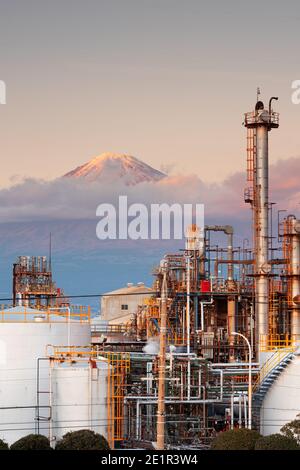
(32, 442)
(82, 440)
(276, 442)
(3, 445)
(292, 429)
(236, 439)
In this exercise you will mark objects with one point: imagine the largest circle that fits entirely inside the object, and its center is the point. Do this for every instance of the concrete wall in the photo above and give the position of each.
(111, 307)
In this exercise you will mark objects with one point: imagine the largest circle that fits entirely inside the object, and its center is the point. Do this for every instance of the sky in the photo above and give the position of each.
(164, 80)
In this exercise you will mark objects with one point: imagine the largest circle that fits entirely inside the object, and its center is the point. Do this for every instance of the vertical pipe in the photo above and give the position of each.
(231, 305)
(240, 410)
(231, 412)
(262, 233)
(137, 421)
(14, 284)
(245, 412)
(188, 324)
(230, 255)
(251, 329)
(160, 444)
(51, 440)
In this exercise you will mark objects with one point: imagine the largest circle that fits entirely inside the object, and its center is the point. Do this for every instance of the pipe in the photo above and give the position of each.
(240, 410)
(226, 364)
(160, 443)
(174, 402)
(137, 421)
(245, 411)
(51, 439)
(231, 306)
(202, 303)
(270, 104)
(188, 327)
(228, 230)
(262, 282)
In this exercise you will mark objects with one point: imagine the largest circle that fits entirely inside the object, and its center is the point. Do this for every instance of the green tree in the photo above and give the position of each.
(236, 439)
(32, 442)
(3, 445)
(292, 429)
(82, 440)
(276, 442)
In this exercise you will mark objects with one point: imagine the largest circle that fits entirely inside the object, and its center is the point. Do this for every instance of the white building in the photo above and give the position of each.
(119, 306)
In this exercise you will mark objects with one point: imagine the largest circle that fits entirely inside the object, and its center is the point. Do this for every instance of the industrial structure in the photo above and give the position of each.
(209, 347)
(33, 284)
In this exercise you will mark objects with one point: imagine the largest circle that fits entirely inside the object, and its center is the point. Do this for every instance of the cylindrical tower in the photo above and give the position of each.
(78, 397)
(295, 271)
(292, 253)
(261, 121)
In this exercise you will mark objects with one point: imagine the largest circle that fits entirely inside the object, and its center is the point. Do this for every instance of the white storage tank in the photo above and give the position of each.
(79, 397)
(281, 404)
(24, 336)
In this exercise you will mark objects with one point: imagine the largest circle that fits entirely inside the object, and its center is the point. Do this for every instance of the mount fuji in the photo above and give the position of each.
(112, 167)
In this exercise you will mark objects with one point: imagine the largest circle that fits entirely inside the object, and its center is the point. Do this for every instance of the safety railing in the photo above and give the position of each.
(277, 357)
(109, 329)
(51, 315)
(253, 117)
(275, 341)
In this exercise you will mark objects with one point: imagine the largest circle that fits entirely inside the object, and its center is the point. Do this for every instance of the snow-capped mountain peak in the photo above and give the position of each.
(109, 167)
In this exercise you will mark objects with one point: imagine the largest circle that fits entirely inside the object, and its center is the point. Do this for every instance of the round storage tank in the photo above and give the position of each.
(24, 368)
(79, 397)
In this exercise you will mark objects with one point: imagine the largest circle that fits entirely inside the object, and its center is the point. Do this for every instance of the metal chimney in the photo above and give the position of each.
(259, 122)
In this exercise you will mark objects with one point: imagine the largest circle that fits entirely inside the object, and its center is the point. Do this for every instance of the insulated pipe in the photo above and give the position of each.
(262, 186)
(160, 443)
(231, 306)
(188, 323)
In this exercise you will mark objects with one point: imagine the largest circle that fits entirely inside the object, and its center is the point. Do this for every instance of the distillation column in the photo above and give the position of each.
(294, 234)
(262, 121)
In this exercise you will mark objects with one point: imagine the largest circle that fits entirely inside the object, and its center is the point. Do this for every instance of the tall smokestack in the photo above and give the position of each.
(259, 122)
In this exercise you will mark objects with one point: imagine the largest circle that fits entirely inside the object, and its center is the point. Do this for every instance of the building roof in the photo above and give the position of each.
(131, 289)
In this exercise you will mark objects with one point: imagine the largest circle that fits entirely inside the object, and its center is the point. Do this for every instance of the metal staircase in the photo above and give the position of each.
(269, 373)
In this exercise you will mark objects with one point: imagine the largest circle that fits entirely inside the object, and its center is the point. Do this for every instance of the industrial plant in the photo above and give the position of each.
(210, 346)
